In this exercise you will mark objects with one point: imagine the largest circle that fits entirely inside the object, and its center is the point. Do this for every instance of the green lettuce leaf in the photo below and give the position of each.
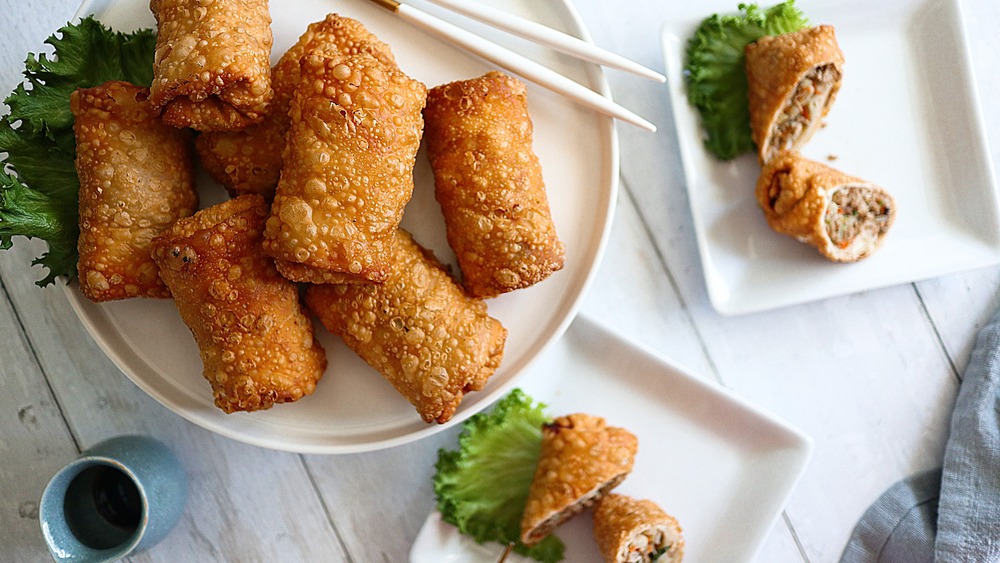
(482, 487)
(715, 73)
(38, 181)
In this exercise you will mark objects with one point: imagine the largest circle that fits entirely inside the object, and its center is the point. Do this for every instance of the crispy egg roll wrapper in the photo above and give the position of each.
(581, 459)
(844, 217)
(429, 339)
(631, 530)
(488, 181)
(212, 68)
(348, 170)
(256, 343)
(136, 179)
(249, 161)
(793, 80)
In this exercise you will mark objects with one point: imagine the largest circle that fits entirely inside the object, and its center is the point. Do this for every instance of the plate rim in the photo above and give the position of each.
(596, 80)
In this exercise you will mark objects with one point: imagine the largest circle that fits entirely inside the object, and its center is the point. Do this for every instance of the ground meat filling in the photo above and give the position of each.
(857, 217)
(805, 107)
(648, 545)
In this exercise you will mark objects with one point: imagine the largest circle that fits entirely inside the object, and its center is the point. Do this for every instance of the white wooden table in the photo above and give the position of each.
(872, 376)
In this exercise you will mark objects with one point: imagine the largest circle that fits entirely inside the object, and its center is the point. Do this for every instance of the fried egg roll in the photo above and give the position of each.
(348, 170)
(581, 459)
(211, 68)
(844, 217)
(249, 161)
(630, 530)
(136, 179)
(488, 181)
(430, 340)
(793, 80)
(256, 343)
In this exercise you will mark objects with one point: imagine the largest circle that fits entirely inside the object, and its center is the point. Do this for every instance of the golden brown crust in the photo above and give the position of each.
(795, 193)
(212, 69)
(136, 179)
(488, 181)
(256, 343)
(430, 340)
(348, 167)
(296, 271)
(249, 161)
(776, 66)
(581, 459)
(619, 520)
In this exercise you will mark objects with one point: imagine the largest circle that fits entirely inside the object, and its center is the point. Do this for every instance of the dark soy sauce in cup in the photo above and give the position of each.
(103, 507)
(117, 499)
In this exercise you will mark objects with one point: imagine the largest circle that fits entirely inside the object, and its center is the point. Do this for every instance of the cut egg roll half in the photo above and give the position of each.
(581, 459)
(630, 530)
(793, 80)
(844, 217)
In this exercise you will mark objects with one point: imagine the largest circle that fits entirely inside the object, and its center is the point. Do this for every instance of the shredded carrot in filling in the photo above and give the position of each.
(854, 213)
(811, 96)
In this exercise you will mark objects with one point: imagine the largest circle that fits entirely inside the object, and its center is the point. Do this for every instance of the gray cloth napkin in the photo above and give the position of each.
(952, 514)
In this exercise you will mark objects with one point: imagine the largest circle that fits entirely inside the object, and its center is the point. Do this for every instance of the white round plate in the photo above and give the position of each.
(354, 409)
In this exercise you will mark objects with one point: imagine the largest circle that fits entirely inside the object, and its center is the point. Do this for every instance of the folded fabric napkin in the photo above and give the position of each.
(952, 514)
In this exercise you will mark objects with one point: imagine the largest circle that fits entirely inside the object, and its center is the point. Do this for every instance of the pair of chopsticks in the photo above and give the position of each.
(523, 66)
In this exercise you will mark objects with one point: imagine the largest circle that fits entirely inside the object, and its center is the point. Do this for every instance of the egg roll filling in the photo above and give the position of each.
(546, 526)
(801, 116)
(857, 216)
(630, 530)
(793, 80)
(844, 217)
(647, 545)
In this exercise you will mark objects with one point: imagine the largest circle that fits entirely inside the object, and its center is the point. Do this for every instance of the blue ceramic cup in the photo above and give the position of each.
(121, 496)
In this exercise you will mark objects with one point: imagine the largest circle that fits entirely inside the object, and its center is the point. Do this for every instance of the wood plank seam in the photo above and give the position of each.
(41, 367)
(661, 257)
(937, 333)
(795, 536)
(326, 509)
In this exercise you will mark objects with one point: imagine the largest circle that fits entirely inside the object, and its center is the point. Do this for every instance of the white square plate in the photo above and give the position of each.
(907, 118)
(721, 466)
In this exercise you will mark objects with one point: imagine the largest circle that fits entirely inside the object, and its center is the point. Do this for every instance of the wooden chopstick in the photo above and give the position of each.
(547, 36)
(518, 64)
